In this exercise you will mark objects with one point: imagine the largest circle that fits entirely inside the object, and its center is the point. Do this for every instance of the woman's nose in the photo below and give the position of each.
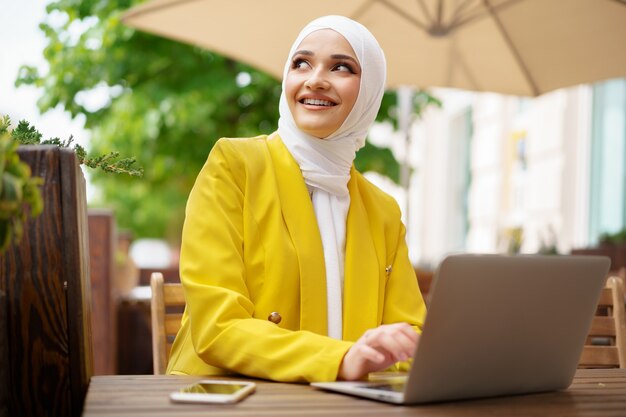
(317, 80)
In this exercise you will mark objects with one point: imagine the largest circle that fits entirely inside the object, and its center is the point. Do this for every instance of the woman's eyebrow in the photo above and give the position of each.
(303, 52)
(333, 56)
(342, 56)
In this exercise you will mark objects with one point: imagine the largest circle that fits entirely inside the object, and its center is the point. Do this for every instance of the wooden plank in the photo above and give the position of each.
(46, 335)
(33, 274)
(101, 224)
(5, 379)
(173, 294)
(134, 354)
(594, 393)
(599, 355)
(606, 297)
(617, 285)
(602, 326)
(77, 281)
(160, 349)
(172, 323)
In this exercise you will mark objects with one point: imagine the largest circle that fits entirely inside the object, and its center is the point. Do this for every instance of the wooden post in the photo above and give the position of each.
(102, 246)
(45, 340)
(5, 379)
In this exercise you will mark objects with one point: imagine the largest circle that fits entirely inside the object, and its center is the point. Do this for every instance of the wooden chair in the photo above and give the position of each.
(606, 344)
(166, 307)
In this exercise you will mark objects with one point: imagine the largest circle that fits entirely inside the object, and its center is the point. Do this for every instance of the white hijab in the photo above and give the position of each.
(325, 163)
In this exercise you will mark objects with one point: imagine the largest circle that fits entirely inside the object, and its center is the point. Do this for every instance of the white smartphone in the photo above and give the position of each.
(213, 392)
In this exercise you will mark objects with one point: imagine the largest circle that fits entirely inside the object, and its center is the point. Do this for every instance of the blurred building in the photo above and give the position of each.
(495, 173)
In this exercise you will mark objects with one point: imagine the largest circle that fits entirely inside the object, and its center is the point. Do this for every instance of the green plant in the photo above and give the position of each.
(617, 238)
(512, 239)
(548, 243)
(19, 191)
(25, 134)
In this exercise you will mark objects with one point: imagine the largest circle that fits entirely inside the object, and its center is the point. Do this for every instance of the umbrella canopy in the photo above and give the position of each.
(521, 47)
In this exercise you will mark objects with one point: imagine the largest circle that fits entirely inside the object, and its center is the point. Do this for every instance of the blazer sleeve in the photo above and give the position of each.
(223, 328)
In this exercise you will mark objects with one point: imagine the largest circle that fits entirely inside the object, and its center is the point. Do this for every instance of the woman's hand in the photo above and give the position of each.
(378, 349)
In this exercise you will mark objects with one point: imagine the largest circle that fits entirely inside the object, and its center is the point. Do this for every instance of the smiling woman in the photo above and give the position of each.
(322, 83)
(295, 268)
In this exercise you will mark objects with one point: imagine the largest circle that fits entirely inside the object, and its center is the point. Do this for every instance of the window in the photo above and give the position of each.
(459, 181)
(608, 159)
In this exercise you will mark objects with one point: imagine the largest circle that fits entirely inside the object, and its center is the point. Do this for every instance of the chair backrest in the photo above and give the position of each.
(606, 344)
(166, 306)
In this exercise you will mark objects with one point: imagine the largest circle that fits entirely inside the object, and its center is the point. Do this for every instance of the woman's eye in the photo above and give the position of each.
(344, 67)
(300, 64)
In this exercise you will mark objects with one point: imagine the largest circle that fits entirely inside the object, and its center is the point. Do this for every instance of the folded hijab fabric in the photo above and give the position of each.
(325, 163)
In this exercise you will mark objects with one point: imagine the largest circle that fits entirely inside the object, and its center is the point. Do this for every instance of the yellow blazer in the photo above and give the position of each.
(251, 246)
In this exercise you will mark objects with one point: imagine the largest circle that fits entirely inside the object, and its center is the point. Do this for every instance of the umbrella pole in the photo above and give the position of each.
(405, 117)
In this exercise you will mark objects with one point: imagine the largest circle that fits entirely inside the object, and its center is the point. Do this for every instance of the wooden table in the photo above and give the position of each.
(593, 393)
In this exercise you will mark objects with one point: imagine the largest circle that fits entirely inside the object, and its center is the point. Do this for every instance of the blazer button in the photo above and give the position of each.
(274, 317)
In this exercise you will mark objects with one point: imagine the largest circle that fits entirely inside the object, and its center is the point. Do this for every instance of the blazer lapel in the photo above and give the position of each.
(361, 281)
(301, 222)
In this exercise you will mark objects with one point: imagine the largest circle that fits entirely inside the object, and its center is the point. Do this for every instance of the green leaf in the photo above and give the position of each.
(19, 191)
(26, 134)
(11, 188)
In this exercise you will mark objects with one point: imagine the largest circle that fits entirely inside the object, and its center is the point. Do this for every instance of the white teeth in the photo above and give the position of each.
(317, 102)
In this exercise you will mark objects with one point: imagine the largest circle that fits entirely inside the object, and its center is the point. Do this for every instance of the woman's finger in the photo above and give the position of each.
(405, 343)
(396, 340)
(390, 343)
(409, 332)
(369, 353)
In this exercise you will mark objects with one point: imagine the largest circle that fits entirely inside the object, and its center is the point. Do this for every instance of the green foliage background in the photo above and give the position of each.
(168, 104)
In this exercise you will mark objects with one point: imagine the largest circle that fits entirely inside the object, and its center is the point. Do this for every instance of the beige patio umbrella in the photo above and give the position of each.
(521, 47)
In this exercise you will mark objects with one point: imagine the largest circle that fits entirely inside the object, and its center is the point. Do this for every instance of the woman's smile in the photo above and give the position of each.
(317, 101)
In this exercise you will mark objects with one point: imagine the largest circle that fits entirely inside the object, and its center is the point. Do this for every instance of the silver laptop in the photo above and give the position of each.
(497, 325)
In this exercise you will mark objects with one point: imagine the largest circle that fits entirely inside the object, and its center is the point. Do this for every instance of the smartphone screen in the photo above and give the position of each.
(213, 388)
(213, 391)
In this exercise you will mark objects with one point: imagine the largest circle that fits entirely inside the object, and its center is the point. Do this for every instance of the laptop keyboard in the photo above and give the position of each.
(385, 387)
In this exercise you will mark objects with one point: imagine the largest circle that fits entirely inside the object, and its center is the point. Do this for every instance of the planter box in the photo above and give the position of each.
(45, 332)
